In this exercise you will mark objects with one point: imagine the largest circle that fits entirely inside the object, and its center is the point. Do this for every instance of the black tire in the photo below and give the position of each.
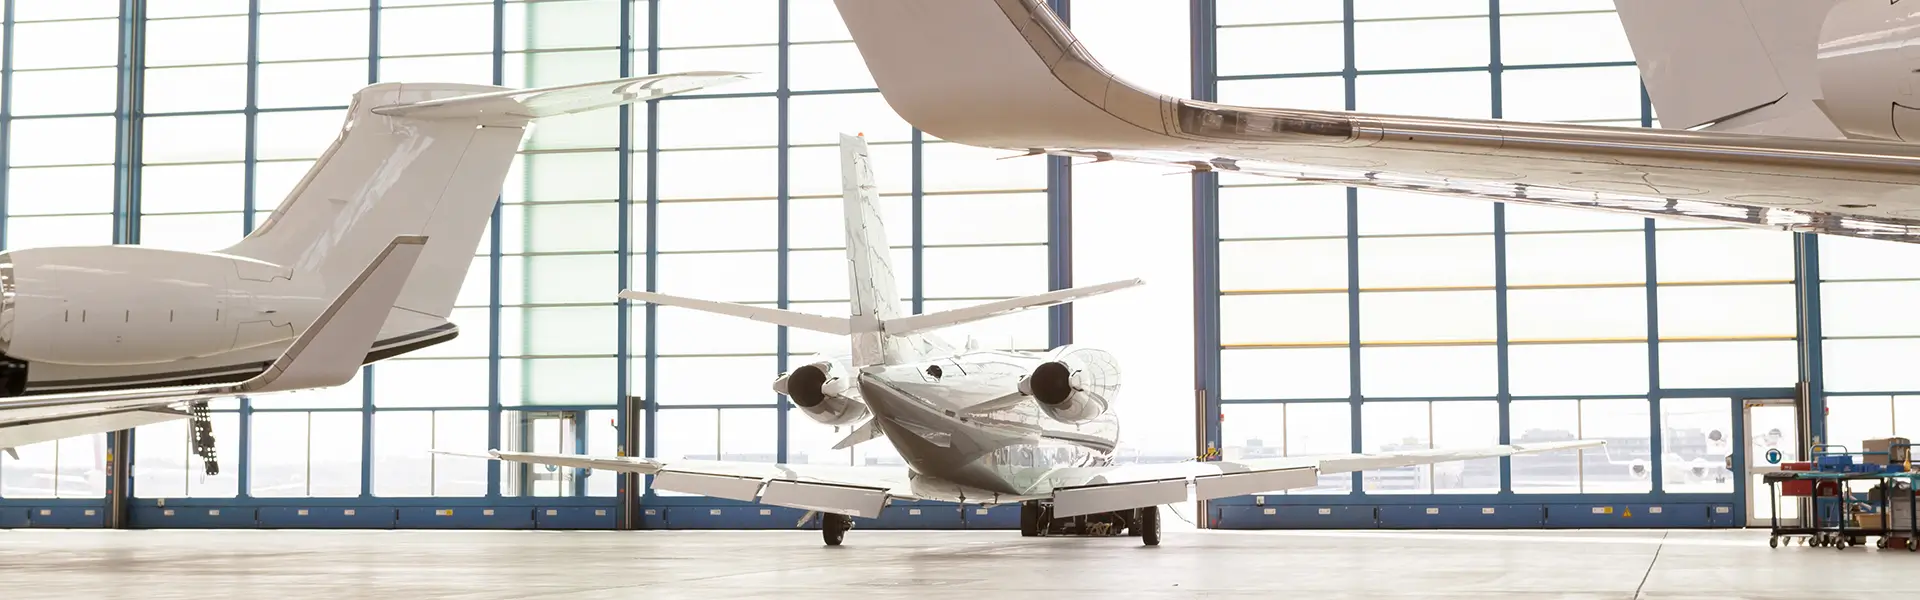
(1150, 526)
(1029, 519)
(1773, 542)
(833, 528)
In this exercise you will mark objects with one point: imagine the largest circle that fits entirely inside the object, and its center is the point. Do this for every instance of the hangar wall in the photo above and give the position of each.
(1329, 319)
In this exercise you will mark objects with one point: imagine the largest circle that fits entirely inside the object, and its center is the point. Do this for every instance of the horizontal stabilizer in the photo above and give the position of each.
(764, 314)
(562, 99)
(949, 318)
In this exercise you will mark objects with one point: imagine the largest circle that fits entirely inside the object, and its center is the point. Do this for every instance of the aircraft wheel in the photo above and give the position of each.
(1773, 542)
(833, 527)
(1029, 518)
(1150, 526)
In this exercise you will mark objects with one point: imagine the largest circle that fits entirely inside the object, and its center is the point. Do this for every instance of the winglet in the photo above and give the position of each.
(330, 351)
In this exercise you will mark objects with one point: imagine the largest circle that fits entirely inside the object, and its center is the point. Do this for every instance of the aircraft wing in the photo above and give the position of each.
(1085, 490)
(326, 354)
(843, 489)
(1007, 74)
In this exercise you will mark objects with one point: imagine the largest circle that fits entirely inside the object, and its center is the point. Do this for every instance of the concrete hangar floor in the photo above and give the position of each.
(974, 565)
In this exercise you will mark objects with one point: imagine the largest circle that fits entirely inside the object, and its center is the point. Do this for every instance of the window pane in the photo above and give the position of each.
(209, 138)
(1280, 265)
(1572, 38)
(1254, 12)
(1729, 311)
(1570, 369)
(821, 119)
(1522, 218)
(1289, 373)
(74, 141)
(746, 59)
(1310, 93)
(1590, 94)
(822, 275)
(1729, 364)
(1402, 262)
(59, 190)
(687, 331)
(950, 167)
(719, 380)
(1428, 371)
(1577, 314)
(1312, 48)
(983, 219)
(583, 278)
(956, 272)
(827, 67)
(32, 475)
(430, 383)
(1394, 212)
(460, 430)
(1284, 319)
(1871, 365)
(1550, 259)
(543, 25)
(1427, 316)
(1026, 330)
(1854, 258)
(1283, 211)
(559, 381)
(470, 68)
(821, 223)
(1868, 308)
(308, 36)
(278, 458)
(402, 465)
(183, 89)
(329, 83)
(1468, 95)
(1396, 427)
(1696, 436)
(1534, 421)
(563, 176)
(191, 188)
(558, 330)
(815, 171)
(1420, 44)
(196, 41)
(65, 92)
(1317, 429)
(1724, 255)
(1460, 424)
(734, 225)
(436, 30)
(159, 461)
(752, 276)
(1253, 431)
(542, 69)
(1855, 419)
(560, 227)
(701, 174)
(55, 45)
(40, 232)
(304, 134)
(197, 233)
(1624, 465)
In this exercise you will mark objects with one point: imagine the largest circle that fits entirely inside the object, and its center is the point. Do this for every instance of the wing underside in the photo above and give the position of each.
(849, 490)
(1007, 74)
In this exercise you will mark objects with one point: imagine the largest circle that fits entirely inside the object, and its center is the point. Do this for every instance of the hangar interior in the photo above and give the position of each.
(1278, 319)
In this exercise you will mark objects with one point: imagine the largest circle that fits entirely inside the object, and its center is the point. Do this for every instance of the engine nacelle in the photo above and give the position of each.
(1076, 386)
(821, 393)
(1869, 65)
(123, 305)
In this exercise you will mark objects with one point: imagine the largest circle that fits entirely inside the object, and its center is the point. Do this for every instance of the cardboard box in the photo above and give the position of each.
(1891, 456)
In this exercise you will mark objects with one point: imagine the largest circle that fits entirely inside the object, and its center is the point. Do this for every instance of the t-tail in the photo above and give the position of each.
(881, 330)
(424, 159)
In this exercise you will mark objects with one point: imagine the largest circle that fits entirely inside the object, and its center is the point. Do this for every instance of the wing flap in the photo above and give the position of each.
(846, 500)
(1075, 501)
(731, 487)
(1241, 484)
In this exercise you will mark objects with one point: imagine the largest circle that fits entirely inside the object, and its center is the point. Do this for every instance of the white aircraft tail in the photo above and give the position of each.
(882, 331)
(424, 159)
(1745, 66)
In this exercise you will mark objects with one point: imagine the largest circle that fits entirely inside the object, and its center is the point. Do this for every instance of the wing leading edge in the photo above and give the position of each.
(326, 354)
(1008, 74)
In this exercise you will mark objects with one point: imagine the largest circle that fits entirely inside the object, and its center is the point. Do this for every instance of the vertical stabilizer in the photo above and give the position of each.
(1744, 66)
(875, 296)
(423, 159)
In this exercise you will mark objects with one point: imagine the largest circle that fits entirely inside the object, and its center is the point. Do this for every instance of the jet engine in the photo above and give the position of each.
(1075, 385)
(820, 391)
(1869, 63)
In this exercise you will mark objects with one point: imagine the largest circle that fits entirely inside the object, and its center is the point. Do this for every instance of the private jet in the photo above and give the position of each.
(362, 262)
(974, 425)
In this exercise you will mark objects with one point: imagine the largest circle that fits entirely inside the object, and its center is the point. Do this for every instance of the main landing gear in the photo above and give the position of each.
(833, 527)
(1036, 520)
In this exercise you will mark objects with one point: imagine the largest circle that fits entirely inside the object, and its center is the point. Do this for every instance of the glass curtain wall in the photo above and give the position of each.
(1371, 320)
(732, 194)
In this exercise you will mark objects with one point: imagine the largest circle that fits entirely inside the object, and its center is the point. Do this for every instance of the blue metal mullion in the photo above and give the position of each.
(1811, 338)
(1351, 78)
(493, 276)
(1204, 84)
(127, 142)
(6, 113)
(1653, 328)
(653, 229)
(366, 372)
(1501, 340)
(250, 160)
(1060, 224)
(781, 202)
(919, 245)
(623, 319)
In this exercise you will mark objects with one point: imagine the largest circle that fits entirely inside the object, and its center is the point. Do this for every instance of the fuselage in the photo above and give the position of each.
(94, 318)
(966, 431)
